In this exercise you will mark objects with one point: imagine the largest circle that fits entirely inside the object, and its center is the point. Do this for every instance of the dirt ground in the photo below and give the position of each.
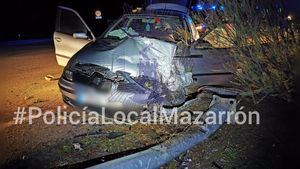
(271, 144)
(23, 84)
(22, 72)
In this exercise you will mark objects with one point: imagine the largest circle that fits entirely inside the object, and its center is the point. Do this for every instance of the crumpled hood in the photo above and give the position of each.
(144, 61)
(139, 56)
(148, 62)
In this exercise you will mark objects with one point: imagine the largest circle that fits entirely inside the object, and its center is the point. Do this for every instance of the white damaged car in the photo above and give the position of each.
(141, 59)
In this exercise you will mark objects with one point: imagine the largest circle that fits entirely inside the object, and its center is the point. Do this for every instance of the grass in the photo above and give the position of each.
(67, 149)
(230, 153)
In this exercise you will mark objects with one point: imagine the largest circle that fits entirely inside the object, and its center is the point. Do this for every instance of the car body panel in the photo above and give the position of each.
(128, 55)
(66, 45)
(182, 3)
(167, 6)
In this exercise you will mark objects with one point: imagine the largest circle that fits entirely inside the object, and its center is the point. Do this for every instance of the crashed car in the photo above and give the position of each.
(142, 59)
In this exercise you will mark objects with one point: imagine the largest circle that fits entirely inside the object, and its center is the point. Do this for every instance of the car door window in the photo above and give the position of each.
(68, 22)
(71, 34)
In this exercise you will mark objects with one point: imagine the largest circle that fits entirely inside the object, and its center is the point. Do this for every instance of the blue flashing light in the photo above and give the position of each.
(199, 7)
(222, 8)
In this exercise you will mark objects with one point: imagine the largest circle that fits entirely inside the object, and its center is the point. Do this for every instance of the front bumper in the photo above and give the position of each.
(68, 91)
(114, 100)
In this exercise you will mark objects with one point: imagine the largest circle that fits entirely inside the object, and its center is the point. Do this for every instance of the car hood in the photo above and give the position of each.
(145, 61)
(138, 56)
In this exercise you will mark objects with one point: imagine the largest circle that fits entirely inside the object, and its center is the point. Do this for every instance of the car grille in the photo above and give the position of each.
(81, 78)
(96, 80)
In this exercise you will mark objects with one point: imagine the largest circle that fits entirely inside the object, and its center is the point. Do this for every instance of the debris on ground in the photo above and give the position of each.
(77, 146)
(37, 100)
(216, 165)
(113, 135)
(50, 78)
(184, 161)
(28, 97)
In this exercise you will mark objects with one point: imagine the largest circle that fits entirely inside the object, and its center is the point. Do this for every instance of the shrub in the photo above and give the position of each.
(262, 41)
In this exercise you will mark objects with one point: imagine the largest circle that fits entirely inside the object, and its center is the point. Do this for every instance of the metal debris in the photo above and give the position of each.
(50, 78)
(77, 146)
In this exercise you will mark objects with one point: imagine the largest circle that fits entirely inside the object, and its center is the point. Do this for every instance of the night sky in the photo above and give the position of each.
(35, 19)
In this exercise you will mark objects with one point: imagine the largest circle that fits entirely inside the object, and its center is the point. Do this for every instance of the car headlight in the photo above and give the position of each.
(68, 75)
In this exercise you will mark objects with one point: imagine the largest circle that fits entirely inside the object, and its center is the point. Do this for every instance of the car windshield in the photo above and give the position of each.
(158, 27)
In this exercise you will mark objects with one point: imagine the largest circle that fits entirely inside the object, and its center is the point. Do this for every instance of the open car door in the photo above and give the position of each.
(71, 34)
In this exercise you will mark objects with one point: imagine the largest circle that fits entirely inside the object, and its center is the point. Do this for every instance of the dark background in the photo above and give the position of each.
(23, 19)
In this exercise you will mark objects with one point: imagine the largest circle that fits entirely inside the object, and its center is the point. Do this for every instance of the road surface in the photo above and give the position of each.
(22, 85)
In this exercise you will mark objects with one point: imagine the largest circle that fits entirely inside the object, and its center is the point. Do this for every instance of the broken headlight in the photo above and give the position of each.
(68, 75)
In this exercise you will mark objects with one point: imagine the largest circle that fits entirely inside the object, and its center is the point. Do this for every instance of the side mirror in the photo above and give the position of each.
(202, 44)
(80, 35)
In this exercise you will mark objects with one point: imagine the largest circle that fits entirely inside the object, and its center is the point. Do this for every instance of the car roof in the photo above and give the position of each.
(167, 6)
(165, 13)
